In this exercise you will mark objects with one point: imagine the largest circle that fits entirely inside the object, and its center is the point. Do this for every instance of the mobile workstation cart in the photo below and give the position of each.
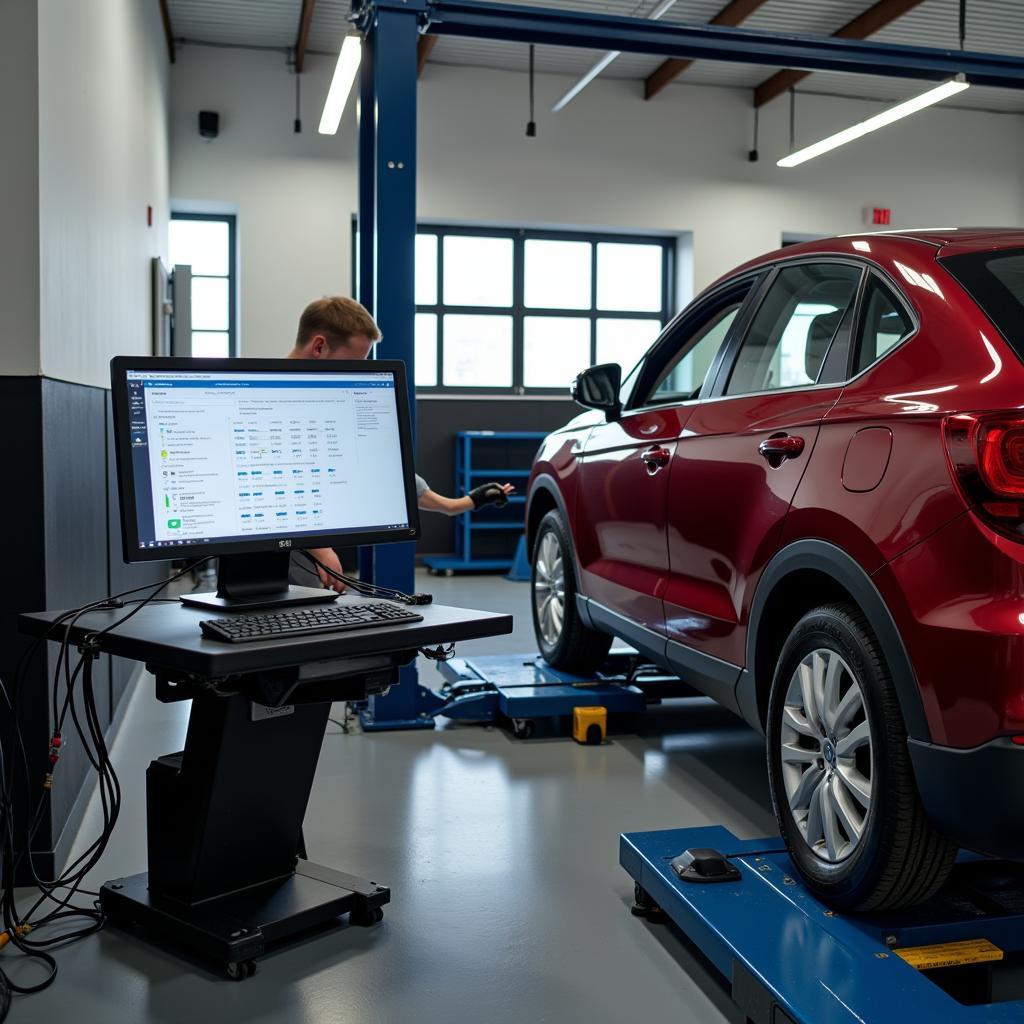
(227, 875)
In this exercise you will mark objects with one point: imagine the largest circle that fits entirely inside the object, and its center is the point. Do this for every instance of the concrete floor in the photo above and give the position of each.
(502, 857)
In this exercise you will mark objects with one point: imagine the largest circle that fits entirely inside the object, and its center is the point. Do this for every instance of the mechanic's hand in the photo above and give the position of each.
(330, 559)
(491, 494)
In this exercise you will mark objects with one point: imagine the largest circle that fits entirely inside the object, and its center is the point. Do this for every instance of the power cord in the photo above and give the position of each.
(88, 728)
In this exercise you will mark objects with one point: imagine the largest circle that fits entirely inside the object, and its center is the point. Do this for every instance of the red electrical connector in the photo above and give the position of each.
(55, 752)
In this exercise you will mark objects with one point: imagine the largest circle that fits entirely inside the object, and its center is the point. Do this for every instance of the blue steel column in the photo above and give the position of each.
(387, 213)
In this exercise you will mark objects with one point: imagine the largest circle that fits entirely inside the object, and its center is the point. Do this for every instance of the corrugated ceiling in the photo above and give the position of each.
(992, 25)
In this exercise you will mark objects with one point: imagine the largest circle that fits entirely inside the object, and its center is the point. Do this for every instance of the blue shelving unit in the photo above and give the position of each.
(486, 539)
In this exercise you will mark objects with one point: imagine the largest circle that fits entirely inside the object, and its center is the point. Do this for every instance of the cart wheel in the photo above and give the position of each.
(241, 970)
(365, 918)
(522, 728)
(643, 905)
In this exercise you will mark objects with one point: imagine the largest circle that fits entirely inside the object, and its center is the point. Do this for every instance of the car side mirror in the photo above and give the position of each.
(598, 388)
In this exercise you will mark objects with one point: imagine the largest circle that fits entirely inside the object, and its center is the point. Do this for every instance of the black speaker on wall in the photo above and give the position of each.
(209, 124)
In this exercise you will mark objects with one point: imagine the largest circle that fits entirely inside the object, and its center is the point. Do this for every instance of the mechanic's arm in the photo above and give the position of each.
(485, 494)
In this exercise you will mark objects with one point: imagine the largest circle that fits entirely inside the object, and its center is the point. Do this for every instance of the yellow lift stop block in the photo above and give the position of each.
(589, 725)
(950, 954)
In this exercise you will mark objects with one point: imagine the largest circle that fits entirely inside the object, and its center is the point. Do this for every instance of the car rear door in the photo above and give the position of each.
(620, 531)
(746, 446)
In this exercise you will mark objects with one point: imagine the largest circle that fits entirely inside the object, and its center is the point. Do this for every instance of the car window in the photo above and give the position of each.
(684, 376)
(884, 324)
(793, 328)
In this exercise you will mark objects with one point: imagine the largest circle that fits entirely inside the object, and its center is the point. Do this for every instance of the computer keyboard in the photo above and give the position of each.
(241, 629)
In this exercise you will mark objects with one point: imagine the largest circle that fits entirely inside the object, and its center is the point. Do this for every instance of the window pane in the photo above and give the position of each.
(557, 274)
(426, 270)
(629, 276)
(426, 350)
(791, 334)
(683, 378)
(210, 303)
(555, 349)
(477, 351)
(477, 271)
(625, 341)
(210, 344)
(203, 244)
(885, 324)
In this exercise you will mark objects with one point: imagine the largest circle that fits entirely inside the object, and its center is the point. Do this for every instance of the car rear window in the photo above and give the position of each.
(995, 280)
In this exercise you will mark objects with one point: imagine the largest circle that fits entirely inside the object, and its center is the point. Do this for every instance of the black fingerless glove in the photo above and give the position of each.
(488, 494)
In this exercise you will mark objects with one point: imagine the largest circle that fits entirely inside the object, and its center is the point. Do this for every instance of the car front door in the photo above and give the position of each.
(745, 447)
(621, 536)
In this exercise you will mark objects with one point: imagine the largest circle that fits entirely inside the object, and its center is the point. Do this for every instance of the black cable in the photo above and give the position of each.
(362, 587)
(531, 125)
(963, 22)
(89, 729)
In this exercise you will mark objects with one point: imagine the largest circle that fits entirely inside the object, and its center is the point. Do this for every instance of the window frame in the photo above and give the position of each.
(231, 220)
(519, 310)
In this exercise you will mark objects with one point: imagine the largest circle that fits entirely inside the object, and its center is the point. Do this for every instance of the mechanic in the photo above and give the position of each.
(337, 327)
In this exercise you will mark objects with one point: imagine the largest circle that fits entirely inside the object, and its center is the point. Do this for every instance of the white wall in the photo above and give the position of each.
(19, 190)
(103, 96)
(675, 164)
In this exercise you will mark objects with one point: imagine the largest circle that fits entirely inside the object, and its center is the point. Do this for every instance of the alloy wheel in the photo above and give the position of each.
(827, 755)
(549, 588)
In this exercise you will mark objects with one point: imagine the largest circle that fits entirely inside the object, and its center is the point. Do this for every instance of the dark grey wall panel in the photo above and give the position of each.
(75, 523)
(437, 422)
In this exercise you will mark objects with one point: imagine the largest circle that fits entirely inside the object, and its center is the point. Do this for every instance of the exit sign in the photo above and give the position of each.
(878, 216)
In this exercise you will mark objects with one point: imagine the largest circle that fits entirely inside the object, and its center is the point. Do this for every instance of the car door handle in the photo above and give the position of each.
(655, 458)
(779, 448)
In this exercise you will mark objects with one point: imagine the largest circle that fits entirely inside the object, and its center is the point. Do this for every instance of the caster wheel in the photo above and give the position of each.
(365, 918)
(643, 905)
(449, 572)
(522, 728)
(241, 970)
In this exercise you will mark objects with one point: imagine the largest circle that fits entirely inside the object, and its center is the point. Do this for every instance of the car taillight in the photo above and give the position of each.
(1019, 740)
(986, 454)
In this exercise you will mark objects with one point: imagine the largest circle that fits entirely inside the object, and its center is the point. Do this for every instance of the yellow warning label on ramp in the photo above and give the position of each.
(950, 954)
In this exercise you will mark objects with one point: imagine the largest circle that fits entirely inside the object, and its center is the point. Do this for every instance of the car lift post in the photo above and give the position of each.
(386, 273)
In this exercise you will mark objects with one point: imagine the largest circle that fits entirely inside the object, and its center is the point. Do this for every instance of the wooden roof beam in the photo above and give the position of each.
(424, 48)
(165, 17)
(302, 37)
(864, 25)
(733, 14)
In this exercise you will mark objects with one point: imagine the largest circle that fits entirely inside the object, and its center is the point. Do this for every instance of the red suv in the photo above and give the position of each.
(807, 501)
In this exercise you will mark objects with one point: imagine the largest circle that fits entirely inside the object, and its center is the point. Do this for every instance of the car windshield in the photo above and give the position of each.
(995, 280)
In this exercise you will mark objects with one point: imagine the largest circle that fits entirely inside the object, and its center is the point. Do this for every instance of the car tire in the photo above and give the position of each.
(841, 778)
(565, 642)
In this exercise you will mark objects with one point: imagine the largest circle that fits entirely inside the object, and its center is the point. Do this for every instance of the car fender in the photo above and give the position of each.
(826, 557)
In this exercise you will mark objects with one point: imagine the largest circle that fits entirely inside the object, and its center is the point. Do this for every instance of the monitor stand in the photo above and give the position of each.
(257, 580)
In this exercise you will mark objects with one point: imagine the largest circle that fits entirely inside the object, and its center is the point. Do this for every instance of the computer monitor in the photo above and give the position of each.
(251, 459)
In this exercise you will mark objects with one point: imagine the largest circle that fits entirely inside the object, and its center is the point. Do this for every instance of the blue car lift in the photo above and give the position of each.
(387, 160)
(788, 958)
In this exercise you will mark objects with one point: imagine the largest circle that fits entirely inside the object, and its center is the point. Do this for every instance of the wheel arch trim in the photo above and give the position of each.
(826, 557)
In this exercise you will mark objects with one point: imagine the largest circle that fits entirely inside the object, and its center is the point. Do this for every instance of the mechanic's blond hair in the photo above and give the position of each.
(338, 319)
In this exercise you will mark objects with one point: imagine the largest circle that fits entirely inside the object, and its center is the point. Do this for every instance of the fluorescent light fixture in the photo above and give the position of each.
(611, 55)
(886, 117)
(341, 85)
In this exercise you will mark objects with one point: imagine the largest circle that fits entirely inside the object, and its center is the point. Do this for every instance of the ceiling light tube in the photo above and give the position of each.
(341, 85)
(886, 117)
(611, 55)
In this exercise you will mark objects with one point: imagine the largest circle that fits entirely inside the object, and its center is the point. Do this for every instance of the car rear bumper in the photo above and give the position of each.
(974, 796)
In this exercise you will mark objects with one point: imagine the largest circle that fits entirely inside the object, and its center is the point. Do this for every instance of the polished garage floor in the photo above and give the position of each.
(508, 902)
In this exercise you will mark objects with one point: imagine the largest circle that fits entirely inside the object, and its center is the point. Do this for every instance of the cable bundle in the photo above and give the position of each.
(79, 701)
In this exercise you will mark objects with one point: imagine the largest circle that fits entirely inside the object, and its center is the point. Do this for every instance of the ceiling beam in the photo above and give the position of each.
(424, 48)
(305, 20)
(863, 26)
(165, 17)
(734, 13)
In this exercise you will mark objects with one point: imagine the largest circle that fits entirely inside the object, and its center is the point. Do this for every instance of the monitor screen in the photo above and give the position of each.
(256, 454)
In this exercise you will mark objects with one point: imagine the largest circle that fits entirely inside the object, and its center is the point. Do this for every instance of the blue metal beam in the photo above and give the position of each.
(522, 24)
(387, 218)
